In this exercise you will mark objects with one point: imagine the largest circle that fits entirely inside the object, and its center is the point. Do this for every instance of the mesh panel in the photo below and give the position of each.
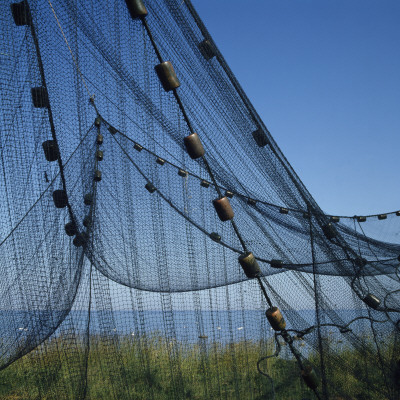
(119, 280)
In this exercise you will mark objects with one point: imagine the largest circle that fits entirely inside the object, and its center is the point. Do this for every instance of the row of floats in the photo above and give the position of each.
(192, 143)
(40, 99)
(222, 206)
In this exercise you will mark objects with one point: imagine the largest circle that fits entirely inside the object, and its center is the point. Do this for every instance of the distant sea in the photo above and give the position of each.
(186, 325)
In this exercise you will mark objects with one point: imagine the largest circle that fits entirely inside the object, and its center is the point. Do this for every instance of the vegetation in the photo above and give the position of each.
(154, 367)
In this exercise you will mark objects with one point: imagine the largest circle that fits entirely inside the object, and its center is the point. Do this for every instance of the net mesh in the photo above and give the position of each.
(112, 291)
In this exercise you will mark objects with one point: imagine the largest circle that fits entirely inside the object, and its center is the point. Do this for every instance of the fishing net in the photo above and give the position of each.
(154, 241)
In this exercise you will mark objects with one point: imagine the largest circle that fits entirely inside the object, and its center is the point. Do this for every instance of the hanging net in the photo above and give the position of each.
(154, 241)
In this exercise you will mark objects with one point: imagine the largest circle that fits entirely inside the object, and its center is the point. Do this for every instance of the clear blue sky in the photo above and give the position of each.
(325, 78)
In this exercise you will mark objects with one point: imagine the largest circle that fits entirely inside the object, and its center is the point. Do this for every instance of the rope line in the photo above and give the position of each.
(69, 48)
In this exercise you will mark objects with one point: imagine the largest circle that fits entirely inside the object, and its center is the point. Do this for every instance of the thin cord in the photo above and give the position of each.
(70, 50)
(317, 306)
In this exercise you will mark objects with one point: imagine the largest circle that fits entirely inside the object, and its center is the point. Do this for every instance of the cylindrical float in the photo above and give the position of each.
(194, 146)
(310, 377)
(51, 151)
(249, 264)
(166, 74)
(97, 176)
(40, 97)
(136, 8)
(60, 198)
(223, 209)
(275, 319)
(150, 187)
(276, 263)
(329, 231)
(371, 301)
(21, 13)
(70, 228)
(87, 200)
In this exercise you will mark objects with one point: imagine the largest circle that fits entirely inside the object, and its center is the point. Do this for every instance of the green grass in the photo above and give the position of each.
(153, 367)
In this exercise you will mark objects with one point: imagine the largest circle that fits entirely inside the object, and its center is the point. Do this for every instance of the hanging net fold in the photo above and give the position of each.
(155, 243)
